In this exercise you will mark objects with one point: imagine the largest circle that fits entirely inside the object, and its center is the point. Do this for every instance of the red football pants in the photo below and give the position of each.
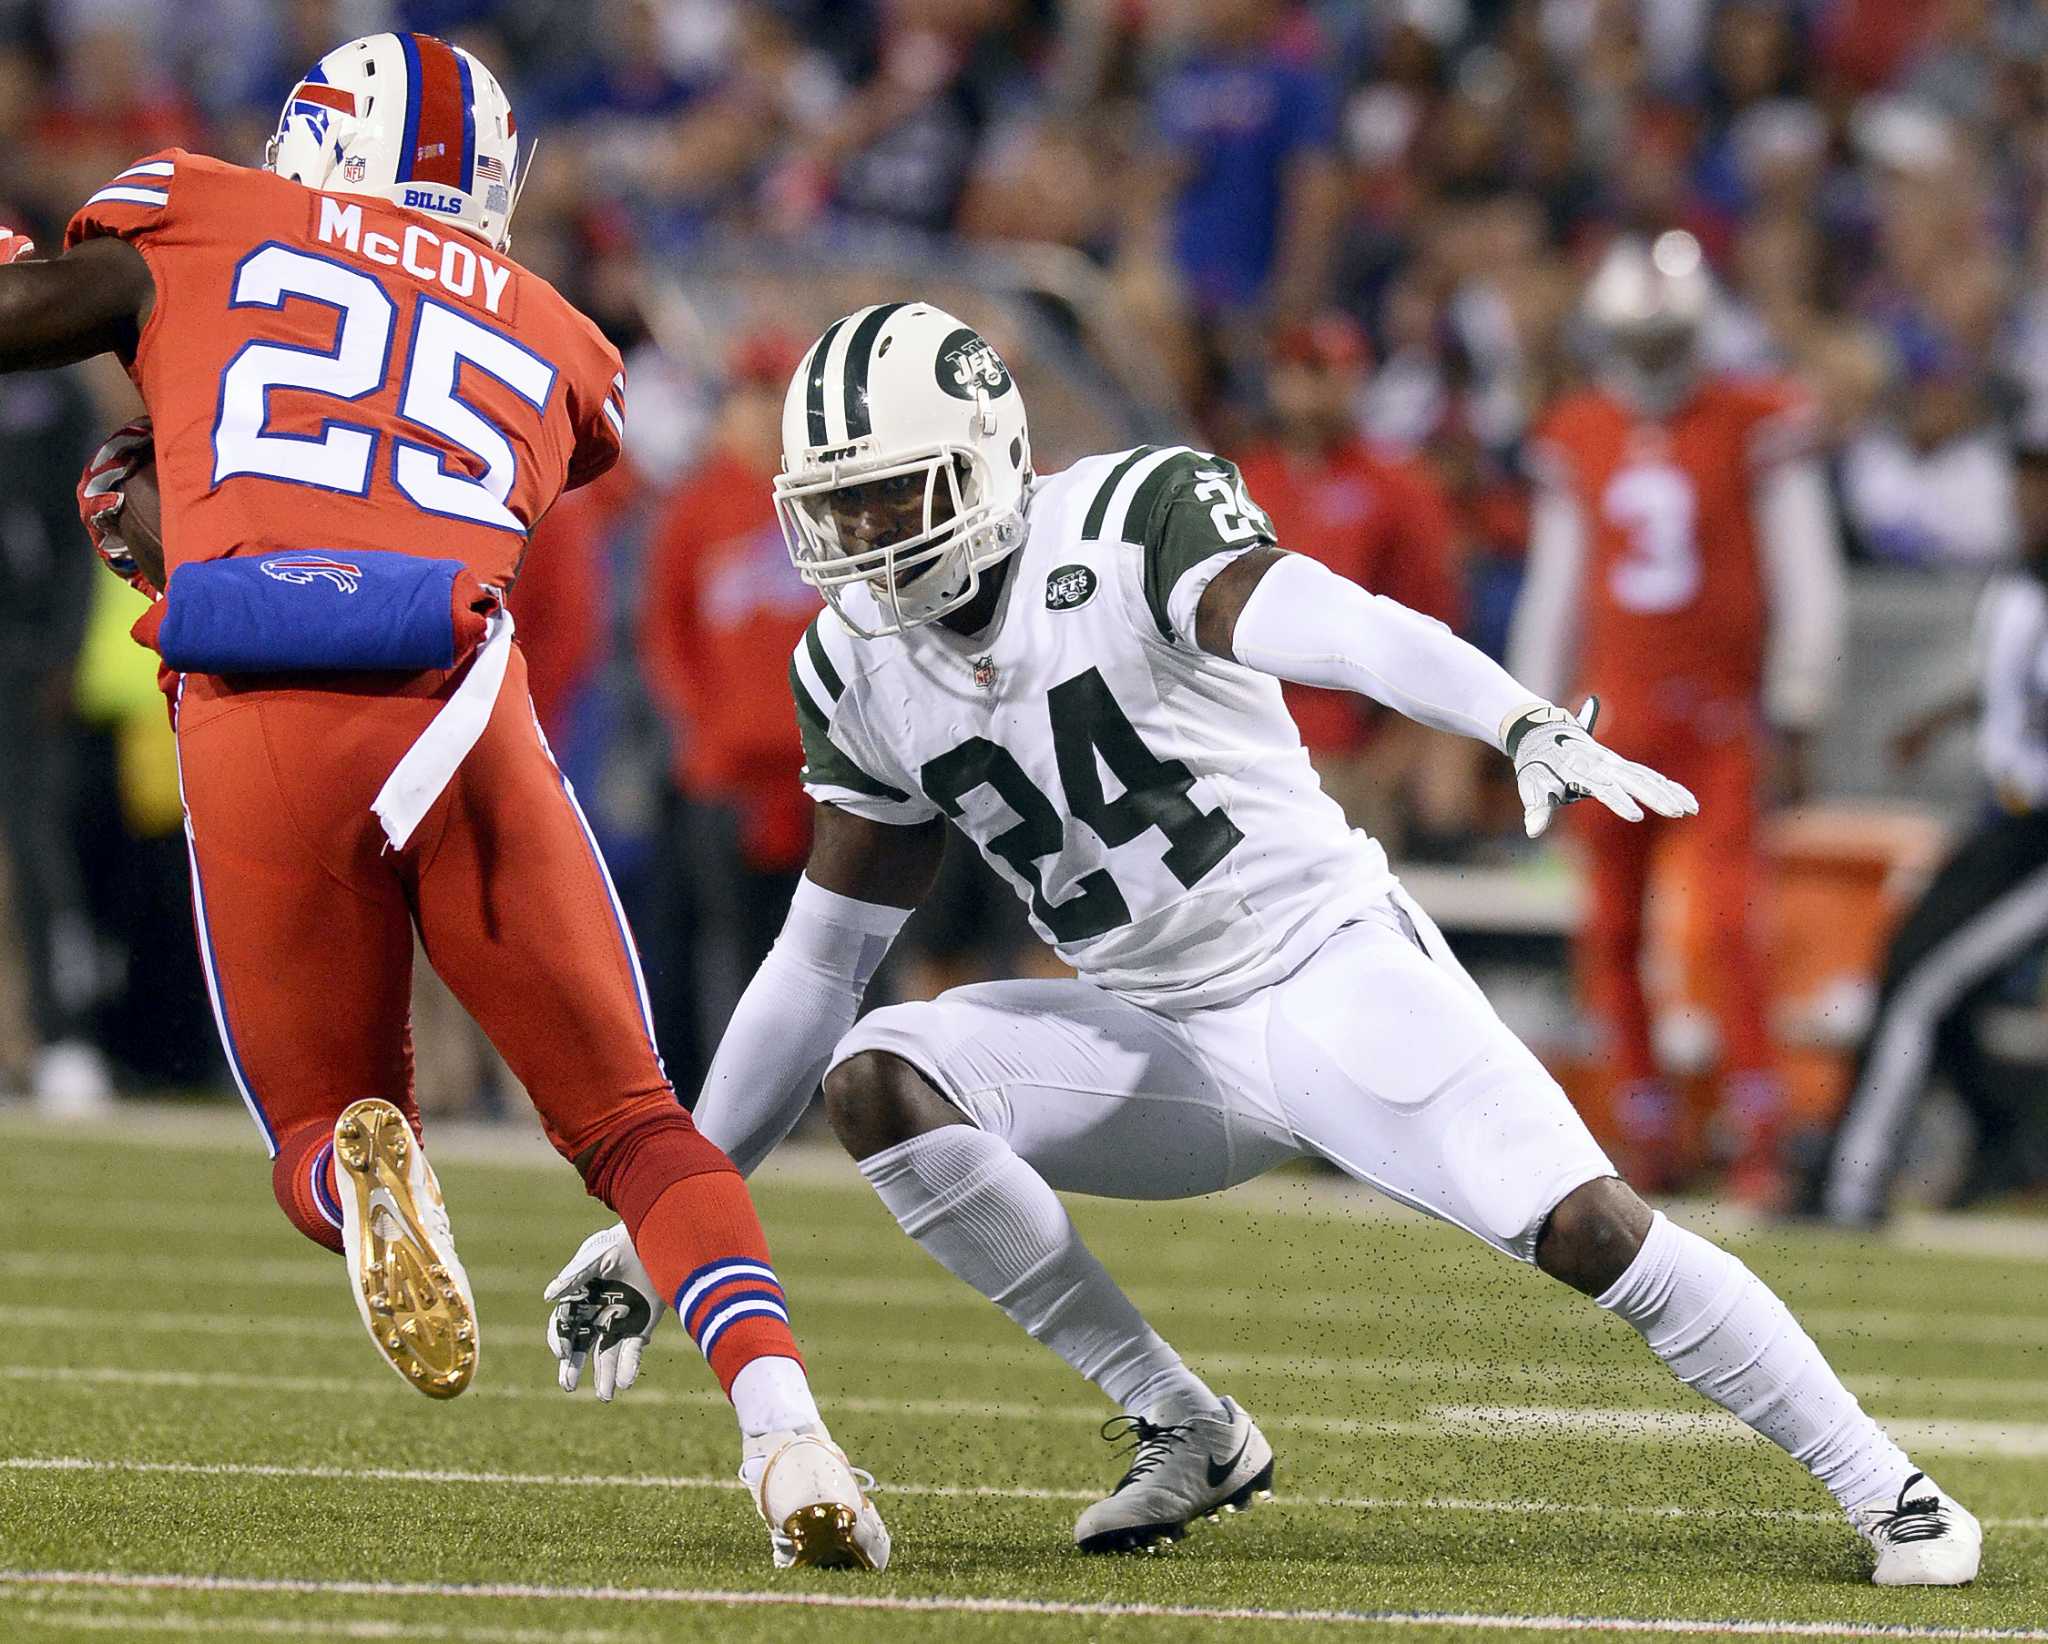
(1714, 751)
(306, 919)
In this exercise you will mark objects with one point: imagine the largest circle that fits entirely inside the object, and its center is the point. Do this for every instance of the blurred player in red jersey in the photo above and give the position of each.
(339, 359)
(724, 610)
(1383, 522)
(1683, 566)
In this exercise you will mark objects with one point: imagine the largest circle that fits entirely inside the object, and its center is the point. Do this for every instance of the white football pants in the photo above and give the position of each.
(1379, 1054)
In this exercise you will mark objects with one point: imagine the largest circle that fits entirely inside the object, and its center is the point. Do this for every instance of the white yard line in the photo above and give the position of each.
(1026, 1356)
(2006, 1440)
(279, 1626)
(977, 1605)
(936, 1291)
(1000, 1492)
(1492, 1422)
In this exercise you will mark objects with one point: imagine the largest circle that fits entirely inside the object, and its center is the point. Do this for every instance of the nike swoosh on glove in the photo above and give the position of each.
(605, 1303)
(1557, 762)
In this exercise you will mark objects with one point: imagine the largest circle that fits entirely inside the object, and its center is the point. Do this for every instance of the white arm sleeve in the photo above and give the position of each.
(1307, 624)
(1543, 641)
(1803, 577)
(792, 1016)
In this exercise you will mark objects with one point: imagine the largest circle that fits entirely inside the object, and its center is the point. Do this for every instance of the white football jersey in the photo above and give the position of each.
(1152, 804)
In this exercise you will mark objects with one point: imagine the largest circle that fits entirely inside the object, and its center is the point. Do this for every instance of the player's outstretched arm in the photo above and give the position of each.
(861, 882)
(1294, 618)
(858, 888)
(95, 299)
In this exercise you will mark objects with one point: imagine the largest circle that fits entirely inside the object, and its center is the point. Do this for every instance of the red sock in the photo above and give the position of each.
(702, 1244)
(693, 1224)
(302, 1177)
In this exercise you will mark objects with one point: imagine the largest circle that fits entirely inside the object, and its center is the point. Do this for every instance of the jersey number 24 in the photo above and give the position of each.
(343, 455)
(1086, 723)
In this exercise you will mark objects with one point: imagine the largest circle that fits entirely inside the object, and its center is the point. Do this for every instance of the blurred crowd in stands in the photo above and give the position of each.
(1343, 241)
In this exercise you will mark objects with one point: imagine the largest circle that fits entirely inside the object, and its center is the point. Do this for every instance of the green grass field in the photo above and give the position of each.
(195, 1437)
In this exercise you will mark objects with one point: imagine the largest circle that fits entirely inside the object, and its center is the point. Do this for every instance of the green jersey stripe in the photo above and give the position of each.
(825, 765)
(828, 676)
(1091, 528)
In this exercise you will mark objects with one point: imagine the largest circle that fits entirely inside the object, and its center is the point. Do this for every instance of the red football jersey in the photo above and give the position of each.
(1673, 585)
(330, 371)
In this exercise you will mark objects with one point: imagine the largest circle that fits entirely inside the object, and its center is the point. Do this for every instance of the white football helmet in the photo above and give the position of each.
(1646, 305)
(410, 119)
(905, 459)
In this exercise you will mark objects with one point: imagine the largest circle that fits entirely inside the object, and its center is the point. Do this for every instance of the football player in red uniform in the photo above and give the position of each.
(1683, 566)
(345, 371)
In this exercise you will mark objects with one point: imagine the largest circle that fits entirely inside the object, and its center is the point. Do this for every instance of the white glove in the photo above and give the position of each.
(1557, 761)
(603, 1299)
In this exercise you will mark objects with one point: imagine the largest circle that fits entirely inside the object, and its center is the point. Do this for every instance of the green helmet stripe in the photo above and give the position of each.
(859, 356)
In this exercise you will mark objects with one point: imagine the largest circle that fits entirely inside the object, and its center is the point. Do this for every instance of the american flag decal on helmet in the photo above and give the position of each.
(491, 168)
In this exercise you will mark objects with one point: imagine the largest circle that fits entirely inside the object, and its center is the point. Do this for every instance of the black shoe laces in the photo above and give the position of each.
(1151, 1447)
(1916, 1520)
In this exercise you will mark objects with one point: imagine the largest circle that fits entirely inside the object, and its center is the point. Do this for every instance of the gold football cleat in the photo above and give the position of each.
(409, 1285)
(823, 1536)
(818, 1516)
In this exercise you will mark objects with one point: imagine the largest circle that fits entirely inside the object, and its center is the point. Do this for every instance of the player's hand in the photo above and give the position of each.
(1557, 761)
(604, 1303)
(101, 496)
(14, 247)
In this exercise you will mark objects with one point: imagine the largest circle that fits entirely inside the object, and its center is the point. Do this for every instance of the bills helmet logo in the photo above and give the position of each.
(968, 365)
(307, 569)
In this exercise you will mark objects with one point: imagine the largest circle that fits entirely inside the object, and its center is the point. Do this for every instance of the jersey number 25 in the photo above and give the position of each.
(343, 455)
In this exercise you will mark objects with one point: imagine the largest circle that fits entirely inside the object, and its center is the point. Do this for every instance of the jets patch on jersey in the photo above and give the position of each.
(1151, 804)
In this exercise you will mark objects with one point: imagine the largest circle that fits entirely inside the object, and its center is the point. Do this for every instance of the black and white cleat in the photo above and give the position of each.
(1924, 1538)
(1209, 1467)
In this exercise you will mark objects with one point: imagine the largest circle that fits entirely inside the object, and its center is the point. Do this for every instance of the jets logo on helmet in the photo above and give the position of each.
(906, 458)
(410, 119)
(966, 362)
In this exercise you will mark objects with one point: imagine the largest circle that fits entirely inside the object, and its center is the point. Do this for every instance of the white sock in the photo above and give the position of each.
(773, 1395)
(1724, 1334)
(990, 1220)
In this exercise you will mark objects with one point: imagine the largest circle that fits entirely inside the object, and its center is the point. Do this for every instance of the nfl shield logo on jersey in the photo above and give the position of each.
(355, 168)
(985, 672)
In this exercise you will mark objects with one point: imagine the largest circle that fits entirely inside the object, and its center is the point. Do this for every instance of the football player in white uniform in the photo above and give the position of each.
(1082, 673)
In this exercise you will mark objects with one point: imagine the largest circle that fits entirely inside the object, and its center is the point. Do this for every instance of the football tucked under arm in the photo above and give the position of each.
(121, 510)
(1304, 623)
